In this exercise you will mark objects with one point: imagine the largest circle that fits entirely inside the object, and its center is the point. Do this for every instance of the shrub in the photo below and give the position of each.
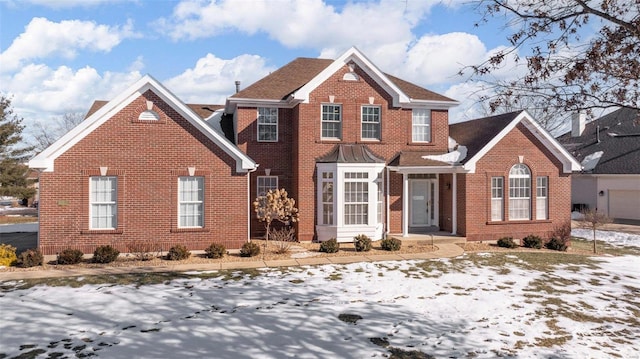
(178, 253)
(507, 242)
(250, 249)
(362, 243)
(215, 250)
(283, 239)
(70, 256)
(562, 231)
(30, 258)
(7, 255)
(105, 254)
(532, 241)
(142, 250)
(391, 244)
(557, 244)
(330, 246)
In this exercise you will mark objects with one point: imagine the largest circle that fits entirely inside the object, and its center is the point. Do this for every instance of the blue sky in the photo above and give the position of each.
(57, 56)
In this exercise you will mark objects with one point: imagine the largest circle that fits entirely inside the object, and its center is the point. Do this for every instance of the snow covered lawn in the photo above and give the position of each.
(479, 305)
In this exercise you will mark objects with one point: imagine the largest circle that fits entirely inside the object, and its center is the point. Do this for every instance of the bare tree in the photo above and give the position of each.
(275, 205)
(592, 219)
(44, 135)
(568, 67)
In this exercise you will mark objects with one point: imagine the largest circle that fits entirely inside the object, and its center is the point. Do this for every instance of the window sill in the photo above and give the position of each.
(420, 143)
(101, 231)
(189, 230)
(520, 221)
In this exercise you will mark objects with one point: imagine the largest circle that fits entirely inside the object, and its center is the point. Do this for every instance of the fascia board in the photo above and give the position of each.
(435, 105)
(429, 169)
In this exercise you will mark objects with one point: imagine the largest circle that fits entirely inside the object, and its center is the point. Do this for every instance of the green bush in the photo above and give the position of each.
(30, 258)
(532, 241)
(7, 255)
(105, 254)
(557, 244)
(362, 243)
(215, 250)
(507, 242)
(250, 249)
(391, 244)
(70, 256)
(178, 253)
(330, 246)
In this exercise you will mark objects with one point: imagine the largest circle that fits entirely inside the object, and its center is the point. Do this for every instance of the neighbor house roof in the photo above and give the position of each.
(101, 112)
(293, 82)
(611, 143)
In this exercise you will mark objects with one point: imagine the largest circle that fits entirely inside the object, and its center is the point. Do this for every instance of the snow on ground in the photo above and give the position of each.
(611, 237)
(463, 307)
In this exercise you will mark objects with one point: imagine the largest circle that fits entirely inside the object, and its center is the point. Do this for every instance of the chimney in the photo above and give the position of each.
(237, 86)
(578, 120)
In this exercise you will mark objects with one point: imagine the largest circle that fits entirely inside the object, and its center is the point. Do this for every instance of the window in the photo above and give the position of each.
(356, 198)
(266, 183)
(497, 198)
(104, 202)
(421, 125)
(519, 192)
(370, 123)
(542, 195)
(332, 121)
(327, 198)
(267, 124)
(191, 202)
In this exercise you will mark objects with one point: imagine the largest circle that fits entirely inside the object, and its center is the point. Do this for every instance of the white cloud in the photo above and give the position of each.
(468, 94)
(212, 79)
(43, 38)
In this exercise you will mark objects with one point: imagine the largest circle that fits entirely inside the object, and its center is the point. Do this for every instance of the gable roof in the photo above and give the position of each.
(202, 110)
(103, 112)
(292, 83)
(481, 135)
(616, 135)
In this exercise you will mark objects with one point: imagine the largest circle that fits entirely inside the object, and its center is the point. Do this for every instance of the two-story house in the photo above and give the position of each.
(361, 151)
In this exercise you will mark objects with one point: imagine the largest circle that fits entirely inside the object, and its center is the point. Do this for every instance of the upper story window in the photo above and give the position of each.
(103, 209)
(421, 125)
(332, 122)
(267, 124)
(371, 123)
(191, 202)
(519, 192)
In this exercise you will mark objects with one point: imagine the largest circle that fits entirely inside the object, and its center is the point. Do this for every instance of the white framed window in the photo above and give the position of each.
(267, 124)
(370, 116)
(542, 197)
(332, 121)
(497, 198)
(356, 198)
(327, 198)
(266, 183)
(191, 202)
(421, 125)
(103, 198)
(519, 192)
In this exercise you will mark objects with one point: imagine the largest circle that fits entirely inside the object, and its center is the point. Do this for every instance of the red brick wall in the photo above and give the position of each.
(147, 157)
(498, 162)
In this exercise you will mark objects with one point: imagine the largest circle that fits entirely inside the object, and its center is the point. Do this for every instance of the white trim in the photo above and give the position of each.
(276, 124)
(569, 163)
(454, 204)
(258, 178)
(45, 160)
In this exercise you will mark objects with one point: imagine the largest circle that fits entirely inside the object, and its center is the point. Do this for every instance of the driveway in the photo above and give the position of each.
(22, 236)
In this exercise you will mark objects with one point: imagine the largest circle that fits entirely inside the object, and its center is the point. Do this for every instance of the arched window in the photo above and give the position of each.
(519, 192)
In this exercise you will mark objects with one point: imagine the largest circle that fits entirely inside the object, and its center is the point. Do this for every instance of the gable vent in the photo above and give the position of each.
(149, 115)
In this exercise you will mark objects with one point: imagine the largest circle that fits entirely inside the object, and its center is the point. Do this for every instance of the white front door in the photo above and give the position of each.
(423, 202)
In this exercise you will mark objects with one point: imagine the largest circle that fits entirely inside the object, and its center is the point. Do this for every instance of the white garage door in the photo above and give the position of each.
(624, 204)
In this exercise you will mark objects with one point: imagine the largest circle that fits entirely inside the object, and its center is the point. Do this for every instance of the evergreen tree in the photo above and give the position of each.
(13, 156)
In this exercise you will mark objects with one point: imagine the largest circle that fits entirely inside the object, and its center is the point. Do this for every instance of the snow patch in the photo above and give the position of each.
(590, 161)
(452, 157)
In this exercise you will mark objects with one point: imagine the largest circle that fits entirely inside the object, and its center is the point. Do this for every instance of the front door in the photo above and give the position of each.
(423, 202)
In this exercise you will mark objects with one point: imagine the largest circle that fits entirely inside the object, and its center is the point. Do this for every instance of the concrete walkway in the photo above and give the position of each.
(447, 248)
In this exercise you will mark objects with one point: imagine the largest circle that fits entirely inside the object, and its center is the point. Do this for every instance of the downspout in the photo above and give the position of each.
(454, 204)
(249, 198)
(388, 216)
(405, 205)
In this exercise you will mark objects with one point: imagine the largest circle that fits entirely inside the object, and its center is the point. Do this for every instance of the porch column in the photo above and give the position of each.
(405, 205)
(454, 204)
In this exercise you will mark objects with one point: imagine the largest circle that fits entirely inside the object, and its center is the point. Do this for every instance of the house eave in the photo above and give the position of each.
(436, 105)
(428, 169)
(233, 103)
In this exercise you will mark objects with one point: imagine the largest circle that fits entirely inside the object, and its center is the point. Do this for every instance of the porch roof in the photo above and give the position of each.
(414, 162)
(350, 153)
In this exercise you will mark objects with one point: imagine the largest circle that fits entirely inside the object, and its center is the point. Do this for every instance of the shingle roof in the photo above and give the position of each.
(414, 159)
(619, 134)
(286, 80)
(476, 134)
(202, 110)
(349, 153)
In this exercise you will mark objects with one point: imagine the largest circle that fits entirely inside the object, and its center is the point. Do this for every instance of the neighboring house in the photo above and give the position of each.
(361, 152)
(609, 149)
(143, 167)
(365, 152)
